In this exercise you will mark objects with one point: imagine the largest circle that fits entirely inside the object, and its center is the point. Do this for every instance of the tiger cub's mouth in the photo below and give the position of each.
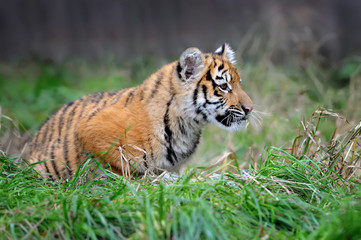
(231, 117)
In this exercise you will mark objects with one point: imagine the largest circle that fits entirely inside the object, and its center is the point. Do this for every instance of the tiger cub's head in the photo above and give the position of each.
(213, 87)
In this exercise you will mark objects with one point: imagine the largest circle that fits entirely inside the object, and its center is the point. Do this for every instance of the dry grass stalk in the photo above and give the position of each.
(341, 156)
(130, 162)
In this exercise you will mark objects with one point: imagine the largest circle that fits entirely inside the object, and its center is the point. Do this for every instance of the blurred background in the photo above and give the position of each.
(295, 56)
(97, 29)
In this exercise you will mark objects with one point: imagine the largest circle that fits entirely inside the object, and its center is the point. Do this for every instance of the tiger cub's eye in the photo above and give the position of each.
(223, 86)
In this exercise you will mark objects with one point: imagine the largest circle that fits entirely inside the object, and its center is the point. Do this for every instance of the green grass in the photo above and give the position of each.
(280, 200)
(302, 181)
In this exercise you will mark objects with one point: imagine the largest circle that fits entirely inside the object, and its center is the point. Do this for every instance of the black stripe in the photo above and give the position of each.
(151, 149)
(141, 94)
(168, 132)
(195, 94)
(47, 170)
(190, 151)
(156, 86)
(51, 129)
(216, 93)
(104, 103)
(96, 97)
(61, 119)
(179, 69)
(49, 134)
(171, 87)
(221, 105)
(145, 160)
(93, 114)
(205, 89)
(66, 155)
(195, 97)
(65, 144)
(101, 96)
(130, 97)
(209, 78)
(221, 66)
(52, 156)
(97, 110)
(77, 147)
(204, 115)
(93, 97)
(112, 93)
(47, 125)
(82, 107)
(171, 156)
(181, 125)
(45, 133)
(44, 143)
(75, 138)
(52, 146)
(119, 95)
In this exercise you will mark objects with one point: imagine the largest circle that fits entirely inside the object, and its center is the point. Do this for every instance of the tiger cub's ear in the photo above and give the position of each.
(226, 51)
(191, 64)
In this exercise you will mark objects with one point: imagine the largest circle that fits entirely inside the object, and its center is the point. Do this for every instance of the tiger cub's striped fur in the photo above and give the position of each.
(158, 124)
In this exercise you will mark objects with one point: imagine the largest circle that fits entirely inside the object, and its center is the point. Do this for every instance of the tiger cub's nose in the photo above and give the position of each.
(247, 109)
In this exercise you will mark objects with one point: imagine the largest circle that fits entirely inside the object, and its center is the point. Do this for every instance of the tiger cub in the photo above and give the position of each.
(155, 126)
